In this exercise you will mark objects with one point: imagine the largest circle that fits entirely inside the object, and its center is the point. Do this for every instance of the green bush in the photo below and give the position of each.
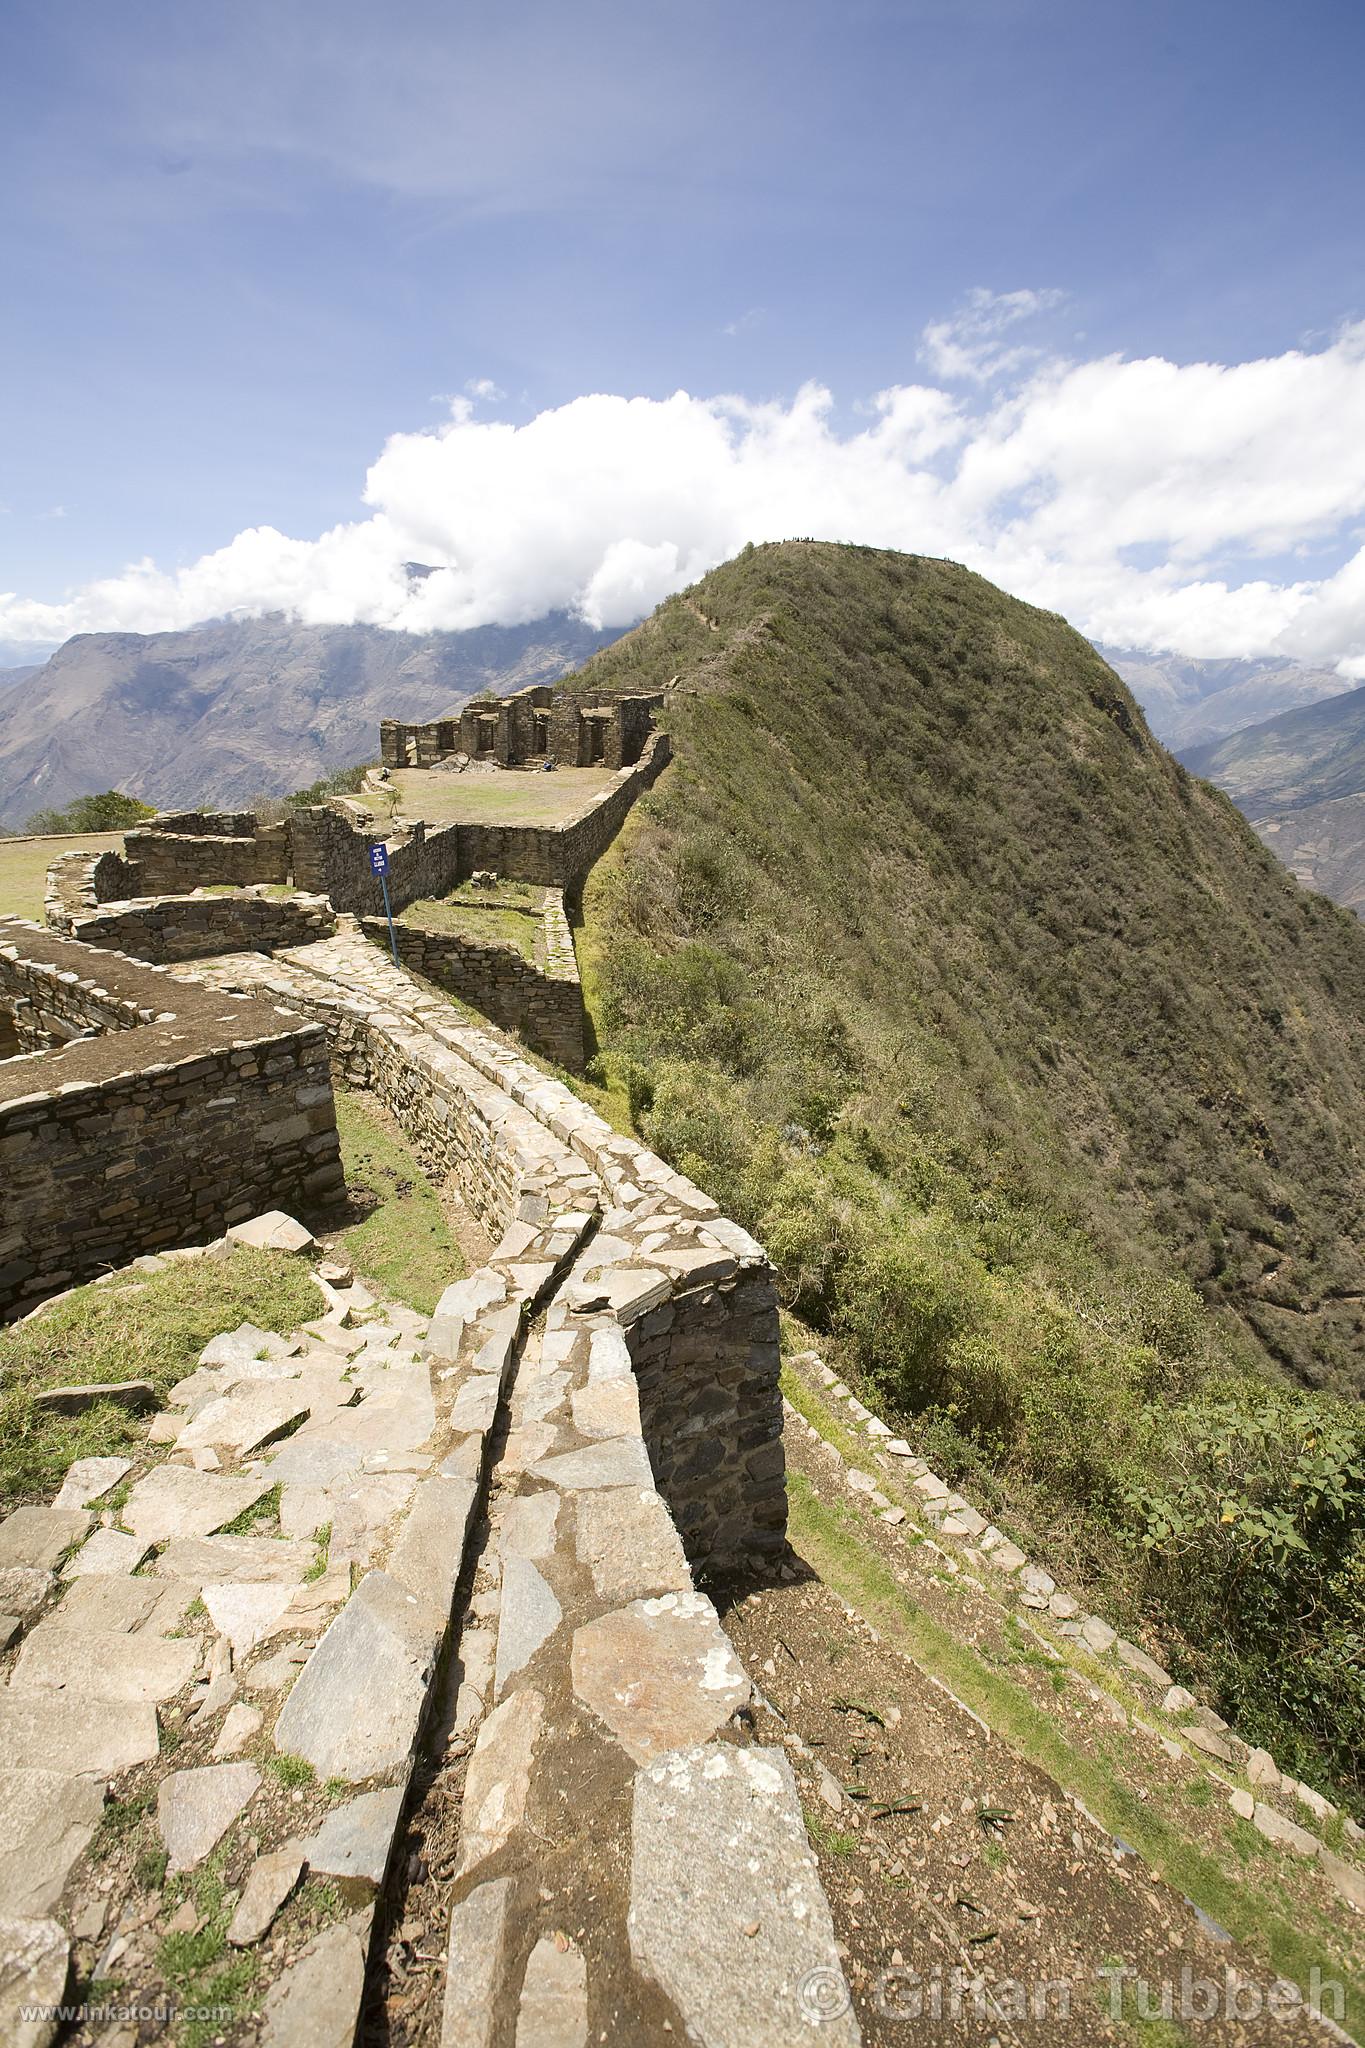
(110, 811)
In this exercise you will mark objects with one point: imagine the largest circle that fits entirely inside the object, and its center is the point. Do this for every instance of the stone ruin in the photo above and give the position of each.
(524, 1493)
(532, 726)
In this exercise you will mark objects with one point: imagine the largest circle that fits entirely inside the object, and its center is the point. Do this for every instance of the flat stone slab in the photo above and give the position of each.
(313, 1461)
(498, 1779)
(35, 1962)
(109, 1604)
(97, 1738)
(661, 1673)
(429, 1548)
(554, 1997)
(727, 1913)
(1138, 1660)
(476, 1404)
(273, 1232)
(606, 1408)
(46, 1819)
(622, 1461)
(355, 1709)
(528, 1525)
(109, 1666)
(175, 1500)
(108, 1553)
(243, 1344)
(527, 1616)
(269, 1882)
(242, 1421)
(240, 1723)
(627, 1540)
(238, 1560)
(39, 1537)
(1287, 1834)
(25, 1590)
(195, 1809)
(474, 1964)
(139, 1396)
(355, 1839)
(88, 1479)
(316, 2003)
(247, 1613)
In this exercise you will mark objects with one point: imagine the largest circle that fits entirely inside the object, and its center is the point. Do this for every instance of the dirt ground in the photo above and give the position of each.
(974, 1899)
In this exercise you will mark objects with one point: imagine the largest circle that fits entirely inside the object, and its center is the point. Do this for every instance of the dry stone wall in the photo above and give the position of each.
(179, 853)
(168, 928)
(701, 1321)
(543, 1005)
(186, 1112)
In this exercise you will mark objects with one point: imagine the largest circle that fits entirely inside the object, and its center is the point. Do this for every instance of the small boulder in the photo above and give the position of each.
(272, 1232)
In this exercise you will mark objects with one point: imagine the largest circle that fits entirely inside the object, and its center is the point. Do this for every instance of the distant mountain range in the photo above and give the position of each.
(1300, 779)
(244, 707)
(1191, 702)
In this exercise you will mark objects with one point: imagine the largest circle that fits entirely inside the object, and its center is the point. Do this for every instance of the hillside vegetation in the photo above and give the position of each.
(1039, 1077)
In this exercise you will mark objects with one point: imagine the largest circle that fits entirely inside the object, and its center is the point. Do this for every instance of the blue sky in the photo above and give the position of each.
(243, 246)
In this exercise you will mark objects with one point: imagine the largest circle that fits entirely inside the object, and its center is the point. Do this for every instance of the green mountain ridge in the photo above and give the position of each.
(1037, 1074)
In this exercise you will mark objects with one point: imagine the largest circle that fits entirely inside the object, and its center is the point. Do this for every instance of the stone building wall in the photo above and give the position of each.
(537, 723)
(170, 863)
(190, 1110)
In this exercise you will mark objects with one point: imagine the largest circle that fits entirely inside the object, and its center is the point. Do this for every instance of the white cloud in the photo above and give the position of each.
(1155, 504)
(969, 345)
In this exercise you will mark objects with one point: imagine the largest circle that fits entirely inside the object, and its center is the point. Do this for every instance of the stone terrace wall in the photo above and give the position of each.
(191, 1111)
(543, 1006)
(172, 861)
(700, 1324)
(559, 856)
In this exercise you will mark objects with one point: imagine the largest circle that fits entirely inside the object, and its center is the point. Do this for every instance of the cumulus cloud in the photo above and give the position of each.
(1156, 504)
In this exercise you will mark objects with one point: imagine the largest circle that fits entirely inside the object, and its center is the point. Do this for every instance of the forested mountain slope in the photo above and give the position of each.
(1039, 1076)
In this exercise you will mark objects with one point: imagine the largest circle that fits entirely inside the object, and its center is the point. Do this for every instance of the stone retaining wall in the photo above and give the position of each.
(559, 856)
(543, 1006)
(189, 1111)
(700, 1324)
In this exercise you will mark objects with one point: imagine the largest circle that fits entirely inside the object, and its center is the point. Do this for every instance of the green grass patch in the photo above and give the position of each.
(112, 1332)
(828, 1538)
(24, 864)
(483, 924)
(291, 1771)
(266, 1509)
(404, 1248)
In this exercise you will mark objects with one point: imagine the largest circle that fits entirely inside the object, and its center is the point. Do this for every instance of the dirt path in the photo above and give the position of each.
(976, 1900)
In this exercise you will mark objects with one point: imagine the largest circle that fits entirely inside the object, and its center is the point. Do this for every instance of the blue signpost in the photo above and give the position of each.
(379, 865)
